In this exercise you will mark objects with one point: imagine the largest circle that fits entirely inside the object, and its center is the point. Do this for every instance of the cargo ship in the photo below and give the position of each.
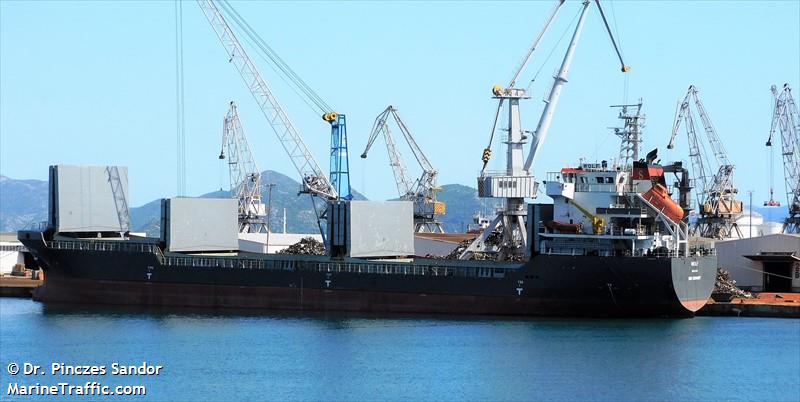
(139, 272)
(612, 244)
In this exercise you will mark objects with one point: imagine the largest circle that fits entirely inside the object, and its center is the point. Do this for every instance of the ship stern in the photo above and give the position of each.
(693, 279)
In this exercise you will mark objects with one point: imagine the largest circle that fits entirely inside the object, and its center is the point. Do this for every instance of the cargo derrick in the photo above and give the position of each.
(715, 190)
(516, 182)
(422, 191)
(785, 118)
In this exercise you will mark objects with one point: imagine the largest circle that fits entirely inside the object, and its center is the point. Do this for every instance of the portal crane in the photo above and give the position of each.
(786, 119)
(715, 190)
(517, 182)
(422, 191)
(312, 177)
(245, 177)
(120, 199)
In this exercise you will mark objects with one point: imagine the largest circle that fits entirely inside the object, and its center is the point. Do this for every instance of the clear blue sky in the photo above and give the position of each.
(94, 82)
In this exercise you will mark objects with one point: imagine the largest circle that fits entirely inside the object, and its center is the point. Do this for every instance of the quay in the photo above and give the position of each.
(783, 305)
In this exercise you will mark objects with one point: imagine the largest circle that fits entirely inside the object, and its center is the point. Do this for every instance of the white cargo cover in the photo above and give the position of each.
(81, 199)
(200, 224)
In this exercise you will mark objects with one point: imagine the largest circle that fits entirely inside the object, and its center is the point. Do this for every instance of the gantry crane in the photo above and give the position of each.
(517, 182)
(718, 207)
(422, 191)
(245, 177)
(786, 119)
(312, 177)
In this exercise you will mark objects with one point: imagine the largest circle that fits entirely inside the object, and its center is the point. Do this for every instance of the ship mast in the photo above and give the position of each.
(630, 133)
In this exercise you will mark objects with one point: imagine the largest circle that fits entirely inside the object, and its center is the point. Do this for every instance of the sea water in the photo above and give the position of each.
(245, 355)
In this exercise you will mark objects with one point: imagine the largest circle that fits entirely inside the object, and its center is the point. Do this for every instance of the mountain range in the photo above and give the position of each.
(23, 202)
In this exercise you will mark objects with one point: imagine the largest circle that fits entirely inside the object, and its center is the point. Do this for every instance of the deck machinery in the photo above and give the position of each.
(785, 119)
(516, 182)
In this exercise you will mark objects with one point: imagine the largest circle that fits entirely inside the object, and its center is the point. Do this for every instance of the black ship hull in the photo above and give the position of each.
(133, 273)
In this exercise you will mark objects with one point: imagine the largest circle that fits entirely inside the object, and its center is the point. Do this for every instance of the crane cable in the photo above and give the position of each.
(313, 108)
(275, 59)
(626, 77)
(179, 102)
(567, 29)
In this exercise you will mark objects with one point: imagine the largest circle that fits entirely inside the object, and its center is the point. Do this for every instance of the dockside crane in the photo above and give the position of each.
(120, 199)
(718, 207)
(313, 179)
(786, 119)
(422, 191)
(517, 182)
(245, 177)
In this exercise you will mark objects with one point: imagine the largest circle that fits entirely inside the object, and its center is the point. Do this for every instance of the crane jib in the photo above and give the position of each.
(314, 180)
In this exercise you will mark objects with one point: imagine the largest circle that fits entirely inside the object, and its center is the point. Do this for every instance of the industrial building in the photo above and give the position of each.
(763, 264)
(12, 252)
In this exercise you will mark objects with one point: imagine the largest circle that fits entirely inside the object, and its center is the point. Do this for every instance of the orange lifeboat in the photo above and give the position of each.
(659, 197)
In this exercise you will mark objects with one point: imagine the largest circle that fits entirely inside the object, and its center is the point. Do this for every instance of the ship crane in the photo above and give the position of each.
(517, 182)
(312, 177)
(245, 177)
(422, 191)
(786, 119)
(715, 190)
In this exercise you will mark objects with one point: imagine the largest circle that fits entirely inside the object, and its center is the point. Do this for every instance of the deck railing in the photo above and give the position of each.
(366, 267)
(116, 245)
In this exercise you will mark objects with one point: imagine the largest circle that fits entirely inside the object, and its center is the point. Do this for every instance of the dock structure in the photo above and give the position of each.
(783, 305)
(13, 286)
(763, 264)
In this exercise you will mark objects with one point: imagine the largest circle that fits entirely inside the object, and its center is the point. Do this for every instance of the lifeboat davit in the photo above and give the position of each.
(659, 197)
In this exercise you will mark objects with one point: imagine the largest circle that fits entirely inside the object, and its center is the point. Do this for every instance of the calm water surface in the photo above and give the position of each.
(246, 356)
